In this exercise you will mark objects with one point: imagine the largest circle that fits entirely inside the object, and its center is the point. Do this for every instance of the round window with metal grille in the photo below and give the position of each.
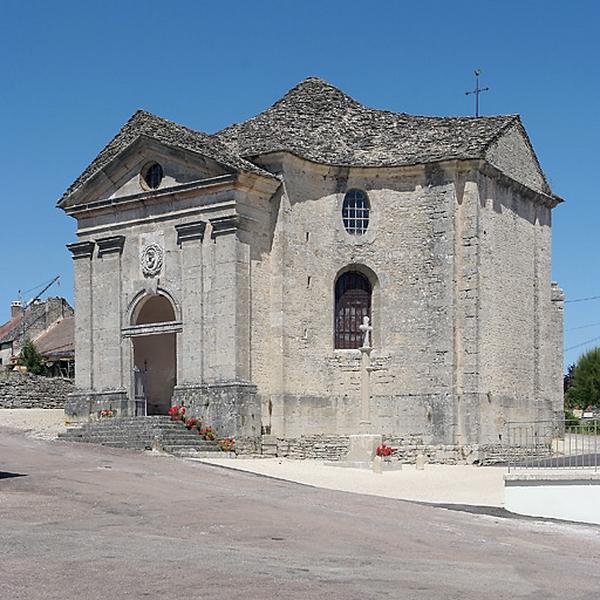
(355, 212)
(151, 176)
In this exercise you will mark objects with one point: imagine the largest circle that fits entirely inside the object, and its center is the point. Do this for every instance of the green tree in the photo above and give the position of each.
(568, 378)
(32, 359)
(585, 384)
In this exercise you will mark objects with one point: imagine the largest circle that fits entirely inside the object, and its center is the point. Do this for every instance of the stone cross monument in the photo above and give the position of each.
(365, 377)
(362, 446)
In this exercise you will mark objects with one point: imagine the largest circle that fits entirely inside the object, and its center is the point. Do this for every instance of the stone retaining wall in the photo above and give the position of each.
(23, 390)
(407, 448)
(320, 447)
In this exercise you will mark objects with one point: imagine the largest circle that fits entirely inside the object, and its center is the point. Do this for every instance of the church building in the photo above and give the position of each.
(231, 272)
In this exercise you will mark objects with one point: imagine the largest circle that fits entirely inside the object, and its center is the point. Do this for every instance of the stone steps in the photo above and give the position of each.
(142, 433)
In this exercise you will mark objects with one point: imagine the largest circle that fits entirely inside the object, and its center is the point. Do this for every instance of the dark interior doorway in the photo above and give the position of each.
(155, 356)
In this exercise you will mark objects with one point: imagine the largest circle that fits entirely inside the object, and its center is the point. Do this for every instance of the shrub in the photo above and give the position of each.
(585, 384)
(32, 359)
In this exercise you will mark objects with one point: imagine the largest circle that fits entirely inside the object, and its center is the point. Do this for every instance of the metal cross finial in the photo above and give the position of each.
(477, 91)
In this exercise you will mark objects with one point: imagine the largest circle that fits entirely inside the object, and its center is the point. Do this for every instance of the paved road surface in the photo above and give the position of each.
(89, 523)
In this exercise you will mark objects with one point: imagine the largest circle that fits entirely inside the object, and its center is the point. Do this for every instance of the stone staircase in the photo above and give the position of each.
(143, 433)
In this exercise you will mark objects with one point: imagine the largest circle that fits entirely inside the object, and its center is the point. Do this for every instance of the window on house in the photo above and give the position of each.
(355, 212)
(352, 303)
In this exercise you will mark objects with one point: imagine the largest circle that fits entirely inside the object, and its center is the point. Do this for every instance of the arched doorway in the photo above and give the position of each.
(154, 354)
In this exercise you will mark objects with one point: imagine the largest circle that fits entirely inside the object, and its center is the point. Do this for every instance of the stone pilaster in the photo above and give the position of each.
(82, 253)
(466, 310)
(108, 359)
(191, 340)
(230, 360)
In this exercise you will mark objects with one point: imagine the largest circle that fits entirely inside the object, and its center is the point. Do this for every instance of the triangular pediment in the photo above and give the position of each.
(190, 155)
(123, 174)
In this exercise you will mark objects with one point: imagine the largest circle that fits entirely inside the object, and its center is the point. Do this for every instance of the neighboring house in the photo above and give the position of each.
(57, 346)
(29, 323)
(231, 272)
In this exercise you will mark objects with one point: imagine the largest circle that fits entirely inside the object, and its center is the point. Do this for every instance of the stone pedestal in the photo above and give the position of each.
(365, 389)
(362, 447)
(82, 406)
(380, 465)
(231, 408)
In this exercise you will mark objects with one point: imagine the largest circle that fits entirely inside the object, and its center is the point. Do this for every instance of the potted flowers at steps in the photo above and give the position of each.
(383, 460)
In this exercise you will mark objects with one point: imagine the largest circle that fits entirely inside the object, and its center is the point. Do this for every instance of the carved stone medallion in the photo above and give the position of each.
(151, 259)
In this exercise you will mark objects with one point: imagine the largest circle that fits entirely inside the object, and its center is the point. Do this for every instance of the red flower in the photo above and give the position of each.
(226, 444)
(384, 450)
(177, 413)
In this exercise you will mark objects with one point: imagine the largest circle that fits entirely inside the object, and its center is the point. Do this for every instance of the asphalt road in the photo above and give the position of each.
(87, 523)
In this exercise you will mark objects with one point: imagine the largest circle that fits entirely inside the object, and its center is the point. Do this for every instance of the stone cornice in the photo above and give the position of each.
(185, 189)
(110, 245)
(548, 200)
(81, 249)
(224, 225)
(190, 231)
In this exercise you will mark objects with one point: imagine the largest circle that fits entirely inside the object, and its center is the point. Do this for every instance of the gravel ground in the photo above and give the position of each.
(39, 423)
(441, 484)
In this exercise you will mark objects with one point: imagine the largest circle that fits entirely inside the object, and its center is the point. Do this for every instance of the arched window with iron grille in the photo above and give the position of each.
(352, 303)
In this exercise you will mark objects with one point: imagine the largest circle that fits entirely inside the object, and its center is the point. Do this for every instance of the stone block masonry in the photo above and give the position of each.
(407, 448)
(23, 390)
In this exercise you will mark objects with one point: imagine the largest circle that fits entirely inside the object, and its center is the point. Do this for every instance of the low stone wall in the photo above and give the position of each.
(320, 447)
(407, 448)
(23, 390)
(494, 454)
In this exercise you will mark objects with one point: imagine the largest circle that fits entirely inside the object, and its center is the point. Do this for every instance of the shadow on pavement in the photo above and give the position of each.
(7, 475)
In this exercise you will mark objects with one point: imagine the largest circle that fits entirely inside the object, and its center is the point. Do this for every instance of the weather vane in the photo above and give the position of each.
(477, 91)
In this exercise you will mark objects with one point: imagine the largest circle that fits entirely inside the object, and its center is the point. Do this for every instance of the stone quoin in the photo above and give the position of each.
(232, 271)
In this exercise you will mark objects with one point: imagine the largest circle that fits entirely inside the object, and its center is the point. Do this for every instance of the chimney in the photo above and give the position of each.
(16, 308)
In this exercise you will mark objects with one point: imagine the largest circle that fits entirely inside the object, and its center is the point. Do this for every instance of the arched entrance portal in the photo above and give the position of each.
(154, 354)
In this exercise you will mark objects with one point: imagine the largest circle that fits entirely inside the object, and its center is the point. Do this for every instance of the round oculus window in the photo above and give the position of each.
(151, 176)
(355, 212)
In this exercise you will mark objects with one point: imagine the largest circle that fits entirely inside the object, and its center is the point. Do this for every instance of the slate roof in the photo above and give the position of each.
(143, 123)
(319, 122)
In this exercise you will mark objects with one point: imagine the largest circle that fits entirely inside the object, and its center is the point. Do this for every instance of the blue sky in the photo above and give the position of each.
(73, 73)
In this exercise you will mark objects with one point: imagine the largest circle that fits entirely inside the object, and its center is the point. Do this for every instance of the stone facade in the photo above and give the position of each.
(242, 244)
(23, 390)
